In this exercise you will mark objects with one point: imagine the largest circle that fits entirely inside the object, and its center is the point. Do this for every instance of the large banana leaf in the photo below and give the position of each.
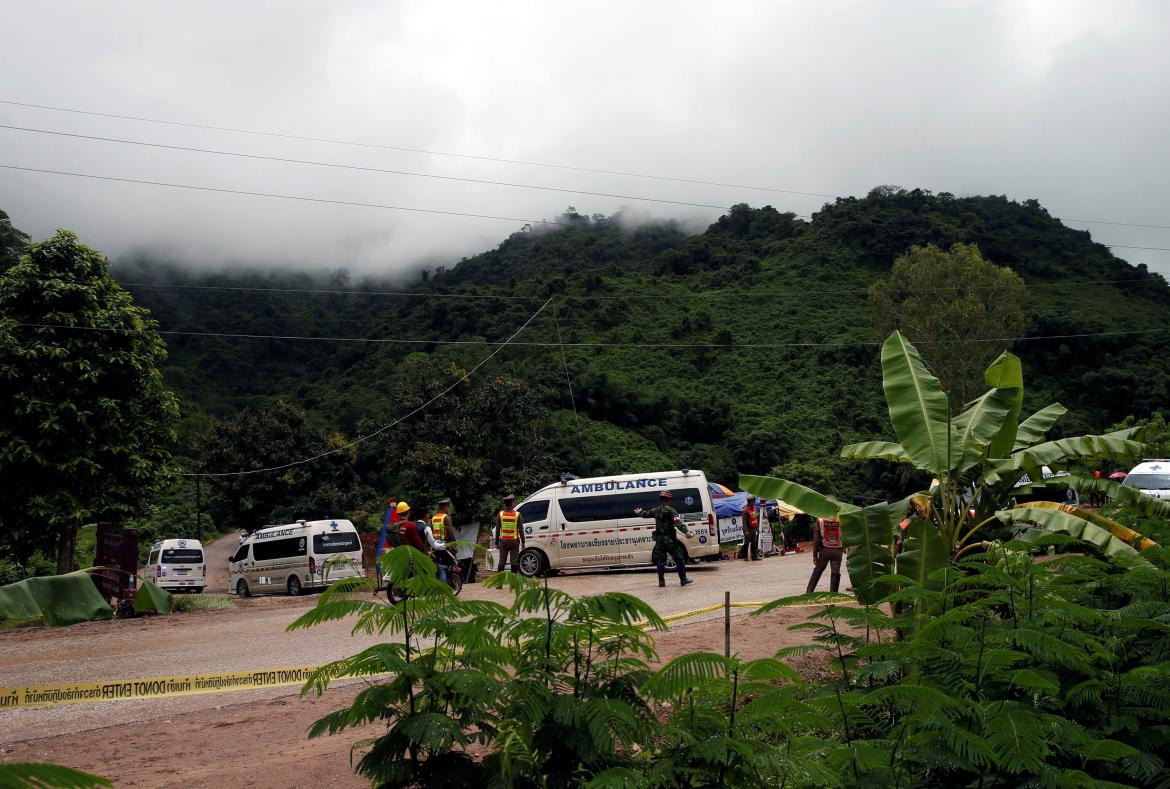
(804, 499)
(918, 407)
(1144, 503)
(1124, 533)
(1057, 517)
(868, 534)
(982, 423)
(876, 450)
(1036, 426)
(1109, 445)
(923, 552)
(1006, 373)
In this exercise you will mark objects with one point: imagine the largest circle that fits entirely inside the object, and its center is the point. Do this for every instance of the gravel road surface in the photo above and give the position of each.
(253, 636)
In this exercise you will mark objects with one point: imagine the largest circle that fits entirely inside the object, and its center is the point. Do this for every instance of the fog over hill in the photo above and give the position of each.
(1062, 102)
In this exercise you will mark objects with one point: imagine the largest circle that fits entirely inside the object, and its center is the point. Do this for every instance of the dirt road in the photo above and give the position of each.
(259, 738)
(220, 727)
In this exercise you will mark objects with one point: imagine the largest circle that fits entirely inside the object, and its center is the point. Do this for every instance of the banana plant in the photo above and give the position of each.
(981, 458)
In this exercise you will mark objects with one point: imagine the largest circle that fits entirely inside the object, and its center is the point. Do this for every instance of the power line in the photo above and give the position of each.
(282, 196)
(598, 344)
(502, 160)
(1122, 224)
(363, 169)
(425, 151)
(1127, 246)
(385, 427)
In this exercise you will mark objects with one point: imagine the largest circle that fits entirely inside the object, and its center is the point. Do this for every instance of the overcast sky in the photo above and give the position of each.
(1067, 102)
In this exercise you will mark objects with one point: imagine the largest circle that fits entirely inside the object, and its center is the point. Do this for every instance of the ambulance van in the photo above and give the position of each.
(1152, 477)
(579, 523)
(290, 559)
(176, 565)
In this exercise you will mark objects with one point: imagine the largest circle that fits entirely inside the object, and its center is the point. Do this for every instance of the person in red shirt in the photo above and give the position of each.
(409, 531)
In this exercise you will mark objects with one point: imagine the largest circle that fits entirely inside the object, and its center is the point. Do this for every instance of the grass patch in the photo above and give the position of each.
(15, 624)
(186, 603)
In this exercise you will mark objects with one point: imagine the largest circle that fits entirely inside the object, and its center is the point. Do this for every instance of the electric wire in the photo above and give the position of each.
(358, 204)
(361, 168)
(594, 344)
(303, 198)
(385, 427)
(425, 151)
(431, 152)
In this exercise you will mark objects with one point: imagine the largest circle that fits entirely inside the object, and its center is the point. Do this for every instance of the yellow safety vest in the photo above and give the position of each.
(437, 527)
(508, 520)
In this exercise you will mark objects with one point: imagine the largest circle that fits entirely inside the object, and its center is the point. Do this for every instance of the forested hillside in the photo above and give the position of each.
(747, 347)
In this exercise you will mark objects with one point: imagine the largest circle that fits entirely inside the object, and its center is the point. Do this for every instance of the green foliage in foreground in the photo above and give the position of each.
(1005, 672)
(22, 775)
(982, 460)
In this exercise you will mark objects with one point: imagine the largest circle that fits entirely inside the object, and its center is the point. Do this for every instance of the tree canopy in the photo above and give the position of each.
(86, 421)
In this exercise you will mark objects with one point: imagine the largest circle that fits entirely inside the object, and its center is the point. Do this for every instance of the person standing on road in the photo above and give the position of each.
(827, 549)
(751, 530)
(666, 543)
(509, 534)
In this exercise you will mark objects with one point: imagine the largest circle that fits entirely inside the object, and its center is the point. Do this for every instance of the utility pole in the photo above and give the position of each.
(199, 508)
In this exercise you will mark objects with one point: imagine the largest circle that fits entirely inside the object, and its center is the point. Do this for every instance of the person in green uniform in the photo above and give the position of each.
(666, 520)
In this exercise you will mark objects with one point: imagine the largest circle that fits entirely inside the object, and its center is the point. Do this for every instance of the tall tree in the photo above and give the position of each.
(272, 436)
(950, 303)
(12, 243)
(86, 422)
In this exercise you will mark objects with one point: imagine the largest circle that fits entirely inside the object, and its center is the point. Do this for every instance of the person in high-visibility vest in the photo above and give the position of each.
(441, 521)
(827, 549)
(509, 534)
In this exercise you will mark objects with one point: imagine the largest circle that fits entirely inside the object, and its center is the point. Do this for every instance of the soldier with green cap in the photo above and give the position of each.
(666, 520)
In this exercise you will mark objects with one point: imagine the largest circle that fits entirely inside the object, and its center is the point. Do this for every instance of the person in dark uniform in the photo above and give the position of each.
(666, 520)
(827, 549)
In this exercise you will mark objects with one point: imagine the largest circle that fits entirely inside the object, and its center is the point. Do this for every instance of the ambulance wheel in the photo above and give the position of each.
(197, 590)
(532, 562)
(671, 564)
(294, 585)
(242, 589)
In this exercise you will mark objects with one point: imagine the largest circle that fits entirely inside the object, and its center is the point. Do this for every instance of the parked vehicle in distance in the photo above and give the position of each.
(1152, 477)
(292, 558)
(592, 523)
(176, 565)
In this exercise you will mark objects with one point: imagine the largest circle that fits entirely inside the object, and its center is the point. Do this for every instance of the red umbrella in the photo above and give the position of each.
(1118, 475)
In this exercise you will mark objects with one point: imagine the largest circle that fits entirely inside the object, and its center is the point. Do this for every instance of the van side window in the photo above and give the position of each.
(153, 558)
(241, 554)
(534, 512)
(581, 509)
(278, 549)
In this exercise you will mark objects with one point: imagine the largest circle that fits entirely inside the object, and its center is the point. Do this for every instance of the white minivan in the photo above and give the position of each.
(290, 559)
(591, 522)
(177, 566)
(1152, 477)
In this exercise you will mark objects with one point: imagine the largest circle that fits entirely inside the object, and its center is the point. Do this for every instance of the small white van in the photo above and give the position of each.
(1151, 477)
(591, 522)
(290, 559)
(176, 565)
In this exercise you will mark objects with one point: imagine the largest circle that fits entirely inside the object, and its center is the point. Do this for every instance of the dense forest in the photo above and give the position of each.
(749, 348)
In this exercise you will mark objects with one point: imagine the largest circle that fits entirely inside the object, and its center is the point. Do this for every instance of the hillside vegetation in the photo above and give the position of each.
(786, 374)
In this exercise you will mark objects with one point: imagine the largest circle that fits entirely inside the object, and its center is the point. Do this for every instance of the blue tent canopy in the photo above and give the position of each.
(732, 506)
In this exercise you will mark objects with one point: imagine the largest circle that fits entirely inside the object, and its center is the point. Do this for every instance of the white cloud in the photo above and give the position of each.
(1065, 102)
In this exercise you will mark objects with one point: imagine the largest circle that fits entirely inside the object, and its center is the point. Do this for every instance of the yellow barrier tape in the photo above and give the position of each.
(192, 684)
(157, 687)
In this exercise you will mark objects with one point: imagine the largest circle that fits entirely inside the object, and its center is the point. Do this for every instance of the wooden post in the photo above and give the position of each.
(727, 624)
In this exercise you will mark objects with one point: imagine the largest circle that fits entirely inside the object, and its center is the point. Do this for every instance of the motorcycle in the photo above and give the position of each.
(446, 561)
